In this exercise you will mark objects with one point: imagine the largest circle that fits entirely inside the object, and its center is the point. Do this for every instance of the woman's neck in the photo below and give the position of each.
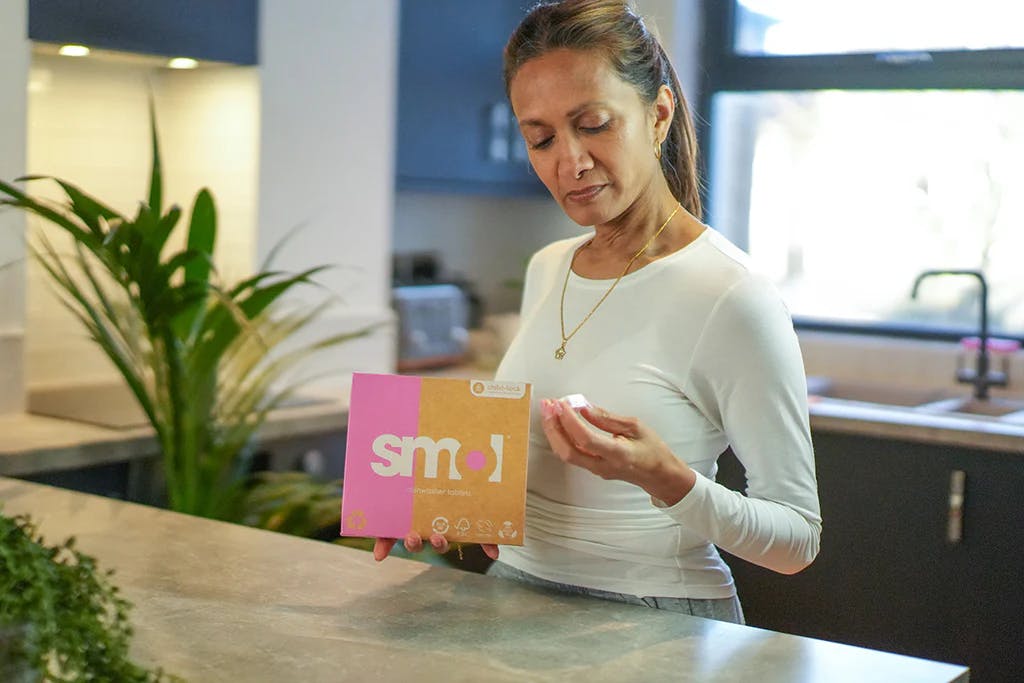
(620, 239)
(615, 244)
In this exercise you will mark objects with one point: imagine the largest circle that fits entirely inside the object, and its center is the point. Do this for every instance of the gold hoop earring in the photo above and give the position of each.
(657, 151)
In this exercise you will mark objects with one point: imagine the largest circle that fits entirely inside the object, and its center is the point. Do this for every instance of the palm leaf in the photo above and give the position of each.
(102, 332)
(202, 234)
(156, 188)
(23, 201)
(280, 244)
(89, 209)
(206, 362)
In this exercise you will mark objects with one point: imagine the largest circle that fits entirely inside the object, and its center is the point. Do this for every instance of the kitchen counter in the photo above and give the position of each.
(32, 444)
(219, 602)
(908, 424)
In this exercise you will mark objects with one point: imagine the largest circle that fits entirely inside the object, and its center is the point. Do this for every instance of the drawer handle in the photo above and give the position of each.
(955, 518)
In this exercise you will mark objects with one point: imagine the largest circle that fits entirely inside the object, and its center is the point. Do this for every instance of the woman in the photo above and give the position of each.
(658, 321)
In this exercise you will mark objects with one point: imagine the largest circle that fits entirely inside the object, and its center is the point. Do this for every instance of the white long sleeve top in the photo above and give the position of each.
(703, 351)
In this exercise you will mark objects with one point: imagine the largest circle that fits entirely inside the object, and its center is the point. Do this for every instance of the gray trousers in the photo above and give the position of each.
(722, 609)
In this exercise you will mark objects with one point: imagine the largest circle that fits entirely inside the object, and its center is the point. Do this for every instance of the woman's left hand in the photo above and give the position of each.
(624, 449)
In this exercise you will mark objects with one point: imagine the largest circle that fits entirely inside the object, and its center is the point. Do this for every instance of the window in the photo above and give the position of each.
(852, 145)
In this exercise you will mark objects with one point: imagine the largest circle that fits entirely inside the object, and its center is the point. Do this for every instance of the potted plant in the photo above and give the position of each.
(202, 358)
(61, 617)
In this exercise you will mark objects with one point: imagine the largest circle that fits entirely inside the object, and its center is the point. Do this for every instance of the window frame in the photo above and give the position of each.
(725, 70)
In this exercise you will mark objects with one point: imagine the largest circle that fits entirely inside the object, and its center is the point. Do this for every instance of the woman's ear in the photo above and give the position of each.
(664, 111)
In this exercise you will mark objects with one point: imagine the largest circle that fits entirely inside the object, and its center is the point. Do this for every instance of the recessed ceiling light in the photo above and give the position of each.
(73, 50)
(182, 63)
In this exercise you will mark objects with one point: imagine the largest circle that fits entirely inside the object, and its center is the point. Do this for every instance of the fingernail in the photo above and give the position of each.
(436, 542)
(557, 407)
(545, 408)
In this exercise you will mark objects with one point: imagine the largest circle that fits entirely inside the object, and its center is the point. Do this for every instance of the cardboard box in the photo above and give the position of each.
(438, 455)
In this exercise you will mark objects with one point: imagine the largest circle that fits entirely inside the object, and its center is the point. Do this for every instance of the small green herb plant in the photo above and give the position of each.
(61, 617)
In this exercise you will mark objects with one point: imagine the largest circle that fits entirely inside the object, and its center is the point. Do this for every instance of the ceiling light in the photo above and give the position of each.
(182, 63)
(73, 50)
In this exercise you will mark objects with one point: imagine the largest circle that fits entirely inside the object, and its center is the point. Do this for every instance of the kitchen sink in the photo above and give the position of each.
(941, 401)
(992, 407)
(881, 394)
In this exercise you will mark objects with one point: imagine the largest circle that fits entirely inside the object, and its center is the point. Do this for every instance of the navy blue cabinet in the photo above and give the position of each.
(887, 577)
(221, 30)
(456, 132)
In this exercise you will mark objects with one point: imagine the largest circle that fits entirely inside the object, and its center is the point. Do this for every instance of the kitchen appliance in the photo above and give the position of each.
(433, 321)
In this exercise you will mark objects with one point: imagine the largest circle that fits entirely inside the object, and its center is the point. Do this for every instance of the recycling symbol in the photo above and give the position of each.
(356, 520)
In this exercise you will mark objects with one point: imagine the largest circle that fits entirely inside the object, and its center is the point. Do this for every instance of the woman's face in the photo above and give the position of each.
(590, 136)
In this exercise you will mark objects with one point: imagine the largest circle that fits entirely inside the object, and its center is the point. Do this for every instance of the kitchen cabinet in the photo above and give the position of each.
(224, 31)
(886, 576)
(456, 132)
(112, 480)
(139, 479)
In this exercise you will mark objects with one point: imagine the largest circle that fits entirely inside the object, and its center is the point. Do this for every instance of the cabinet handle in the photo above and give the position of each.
(955, 518)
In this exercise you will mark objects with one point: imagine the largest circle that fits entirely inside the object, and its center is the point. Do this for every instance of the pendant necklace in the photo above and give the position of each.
(560, 351)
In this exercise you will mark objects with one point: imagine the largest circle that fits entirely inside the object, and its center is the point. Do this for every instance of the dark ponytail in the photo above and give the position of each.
(679, 151)
(614, 29)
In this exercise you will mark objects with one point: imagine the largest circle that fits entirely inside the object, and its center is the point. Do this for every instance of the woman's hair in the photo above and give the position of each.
(613, 29)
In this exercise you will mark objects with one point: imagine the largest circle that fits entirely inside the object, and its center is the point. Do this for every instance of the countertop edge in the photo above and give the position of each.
(919, 427)
(87, 445)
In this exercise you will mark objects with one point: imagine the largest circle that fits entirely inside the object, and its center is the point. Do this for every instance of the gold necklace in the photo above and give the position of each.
(560, 351)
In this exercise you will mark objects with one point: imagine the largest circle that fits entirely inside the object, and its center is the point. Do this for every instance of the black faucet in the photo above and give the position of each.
(981, 377)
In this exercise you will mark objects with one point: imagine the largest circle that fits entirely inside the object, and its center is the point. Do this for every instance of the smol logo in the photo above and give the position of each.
(507, 531)
(440, 525)
(485, 526)
(356, 520)
(493, 389)
(398, 453)
(462, 526)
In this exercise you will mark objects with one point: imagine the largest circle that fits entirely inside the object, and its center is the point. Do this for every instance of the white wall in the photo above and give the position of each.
(487, 239)
(89, 123)
(328, 73)
(14, 56)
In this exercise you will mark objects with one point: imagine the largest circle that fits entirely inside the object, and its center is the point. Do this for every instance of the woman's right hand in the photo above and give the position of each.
(414, 543)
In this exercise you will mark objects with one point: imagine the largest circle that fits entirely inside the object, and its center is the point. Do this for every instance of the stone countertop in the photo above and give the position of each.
(908, 424)
(31, 444)
(220, 602)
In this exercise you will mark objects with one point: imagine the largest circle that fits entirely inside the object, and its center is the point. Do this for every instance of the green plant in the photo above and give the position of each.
(203, 359)
(64, 618)
(293, 503)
